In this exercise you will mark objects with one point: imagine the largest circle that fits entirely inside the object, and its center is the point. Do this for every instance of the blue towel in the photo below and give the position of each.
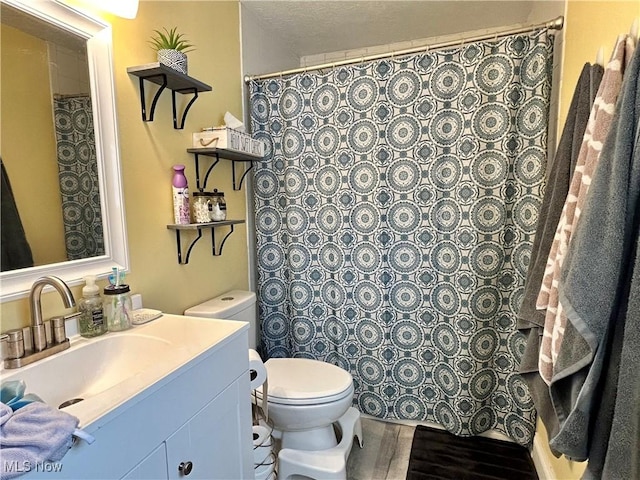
(12, 394)
(35, 433)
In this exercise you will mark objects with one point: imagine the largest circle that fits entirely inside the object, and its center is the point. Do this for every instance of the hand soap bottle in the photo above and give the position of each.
(92, 322)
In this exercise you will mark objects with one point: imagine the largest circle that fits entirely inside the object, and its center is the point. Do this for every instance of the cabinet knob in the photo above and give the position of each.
(185, 468)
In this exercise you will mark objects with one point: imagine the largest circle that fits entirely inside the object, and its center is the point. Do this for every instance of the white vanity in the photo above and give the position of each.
(168, 399)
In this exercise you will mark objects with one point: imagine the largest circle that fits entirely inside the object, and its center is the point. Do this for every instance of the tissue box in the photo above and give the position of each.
(228, 139)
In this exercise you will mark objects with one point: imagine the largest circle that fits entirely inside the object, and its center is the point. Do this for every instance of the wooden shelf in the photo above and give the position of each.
(224, 153)
(199, 227)
(219, 153)
(169, 78)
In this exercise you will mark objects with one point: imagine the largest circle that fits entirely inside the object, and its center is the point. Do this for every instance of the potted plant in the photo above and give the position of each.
(171, 48)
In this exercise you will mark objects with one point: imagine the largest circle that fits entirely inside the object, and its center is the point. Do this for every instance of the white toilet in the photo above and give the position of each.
(305, 396)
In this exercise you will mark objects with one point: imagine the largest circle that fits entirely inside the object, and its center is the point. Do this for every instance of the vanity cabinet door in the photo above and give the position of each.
(211, 445)
(153, 467)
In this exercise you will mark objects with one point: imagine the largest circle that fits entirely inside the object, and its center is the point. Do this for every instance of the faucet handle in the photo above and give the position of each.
(4, 345)
(59, 332)
(15, 343)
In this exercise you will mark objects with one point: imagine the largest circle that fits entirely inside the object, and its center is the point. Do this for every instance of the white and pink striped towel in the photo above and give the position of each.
(595, 134)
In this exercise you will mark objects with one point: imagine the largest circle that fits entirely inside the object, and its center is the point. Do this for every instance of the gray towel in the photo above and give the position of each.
(35, 433)
(15, 251)
(595, 292)
(614, 451)
(531, 320)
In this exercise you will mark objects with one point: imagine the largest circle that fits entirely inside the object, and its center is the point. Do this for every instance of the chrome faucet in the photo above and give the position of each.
(37, 326)
(43, 338)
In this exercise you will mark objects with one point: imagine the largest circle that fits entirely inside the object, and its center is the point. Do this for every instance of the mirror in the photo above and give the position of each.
(59, 147)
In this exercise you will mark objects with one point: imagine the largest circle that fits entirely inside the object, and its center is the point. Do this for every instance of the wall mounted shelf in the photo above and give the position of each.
(167, 78)
(219, 153)
(199, 227)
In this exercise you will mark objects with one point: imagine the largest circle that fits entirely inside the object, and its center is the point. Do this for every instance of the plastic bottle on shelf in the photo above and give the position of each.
(180, 189)
(92, 322)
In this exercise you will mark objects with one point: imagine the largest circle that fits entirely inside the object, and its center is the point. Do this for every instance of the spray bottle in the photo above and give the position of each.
(180, 189)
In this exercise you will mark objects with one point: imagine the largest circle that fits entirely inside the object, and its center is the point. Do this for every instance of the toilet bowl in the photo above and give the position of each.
(305, 397)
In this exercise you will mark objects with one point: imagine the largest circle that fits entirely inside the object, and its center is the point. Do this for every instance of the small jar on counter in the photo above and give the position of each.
(201, 206)
(218, 206)
(117, 307)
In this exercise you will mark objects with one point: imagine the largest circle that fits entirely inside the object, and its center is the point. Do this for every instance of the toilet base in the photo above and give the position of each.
(320, 438)
(329, 464)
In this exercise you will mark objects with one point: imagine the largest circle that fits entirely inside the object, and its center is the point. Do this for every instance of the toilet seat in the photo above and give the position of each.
(301, 381)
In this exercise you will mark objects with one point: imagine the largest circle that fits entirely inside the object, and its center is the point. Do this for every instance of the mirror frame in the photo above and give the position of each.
(15, 284)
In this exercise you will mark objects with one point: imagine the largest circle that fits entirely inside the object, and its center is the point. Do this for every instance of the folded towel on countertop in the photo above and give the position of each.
(35, 433)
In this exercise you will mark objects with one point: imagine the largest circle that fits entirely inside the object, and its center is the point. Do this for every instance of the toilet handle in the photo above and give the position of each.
(185, 468)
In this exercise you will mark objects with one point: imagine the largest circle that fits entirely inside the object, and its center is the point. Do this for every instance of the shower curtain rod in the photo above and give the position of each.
(555, 24)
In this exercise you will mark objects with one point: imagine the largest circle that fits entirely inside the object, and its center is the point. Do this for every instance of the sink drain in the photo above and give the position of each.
(70, 402)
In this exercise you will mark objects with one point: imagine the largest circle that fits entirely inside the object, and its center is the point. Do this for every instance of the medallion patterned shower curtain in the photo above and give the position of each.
(395, 212)
(78, 177)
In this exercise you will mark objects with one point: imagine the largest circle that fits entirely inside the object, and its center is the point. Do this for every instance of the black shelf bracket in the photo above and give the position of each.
(143, 101)
(213, 241)
(217, 154)
(186, 109)
(169, 78)
(183, 259)
(233, 172)
(203, 186)
(186, 260)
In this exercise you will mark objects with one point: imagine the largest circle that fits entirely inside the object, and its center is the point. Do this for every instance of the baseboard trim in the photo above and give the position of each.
(541, 460)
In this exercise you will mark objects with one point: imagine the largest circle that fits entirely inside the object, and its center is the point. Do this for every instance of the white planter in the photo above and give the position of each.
(173, 59)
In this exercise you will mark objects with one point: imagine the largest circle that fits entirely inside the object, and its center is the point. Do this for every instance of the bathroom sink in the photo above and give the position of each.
(89, 367)
(96, 376)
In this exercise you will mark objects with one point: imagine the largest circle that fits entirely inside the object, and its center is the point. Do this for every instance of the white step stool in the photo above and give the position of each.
(324, 464)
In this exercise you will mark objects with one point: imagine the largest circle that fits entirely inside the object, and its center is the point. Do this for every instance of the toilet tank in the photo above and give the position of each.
(234, 305)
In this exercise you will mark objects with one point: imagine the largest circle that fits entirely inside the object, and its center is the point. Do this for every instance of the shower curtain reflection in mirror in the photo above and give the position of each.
(78, 175)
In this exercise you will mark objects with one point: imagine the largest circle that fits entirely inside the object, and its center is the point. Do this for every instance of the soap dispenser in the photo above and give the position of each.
(92, 322)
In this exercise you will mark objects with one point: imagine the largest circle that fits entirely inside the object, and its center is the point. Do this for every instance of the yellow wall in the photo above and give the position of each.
(28, 143)
(148, 150)
(588, 26)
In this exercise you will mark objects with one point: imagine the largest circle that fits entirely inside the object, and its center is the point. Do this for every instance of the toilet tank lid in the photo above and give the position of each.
(223, 306)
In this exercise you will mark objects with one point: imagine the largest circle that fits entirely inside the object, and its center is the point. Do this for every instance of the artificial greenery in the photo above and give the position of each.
(170, 40)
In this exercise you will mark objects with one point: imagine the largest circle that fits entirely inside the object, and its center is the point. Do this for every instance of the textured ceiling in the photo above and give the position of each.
(311, 27)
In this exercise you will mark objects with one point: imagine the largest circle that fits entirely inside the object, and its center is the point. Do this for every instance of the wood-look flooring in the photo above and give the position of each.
(385, 455)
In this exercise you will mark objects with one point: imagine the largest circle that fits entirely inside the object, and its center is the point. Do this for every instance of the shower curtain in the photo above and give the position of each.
(78, 176)
(395, 211)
